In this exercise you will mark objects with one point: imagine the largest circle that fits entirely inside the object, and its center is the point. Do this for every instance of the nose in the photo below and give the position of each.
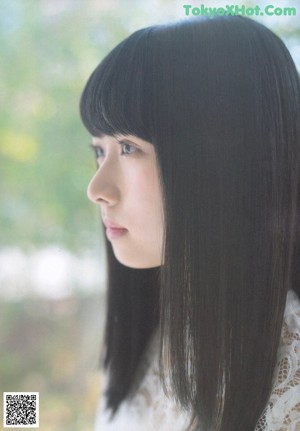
(103, 187)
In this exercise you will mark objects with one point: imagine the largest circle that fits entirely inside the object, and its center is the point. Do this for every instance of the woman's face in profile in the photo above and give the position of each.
(127, 188)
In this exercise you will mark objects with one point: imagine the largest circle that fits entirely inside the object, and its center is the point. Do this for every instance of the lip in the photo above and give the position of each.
(113, 230)
(109, 224)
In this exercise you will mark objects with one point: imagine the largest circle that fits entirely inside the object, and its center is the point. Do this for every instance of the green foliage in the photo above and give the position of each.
(45, 161)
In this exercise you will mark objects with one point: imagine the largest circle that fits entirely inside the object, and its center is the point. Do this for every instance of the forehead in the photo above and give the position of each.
(103, 139)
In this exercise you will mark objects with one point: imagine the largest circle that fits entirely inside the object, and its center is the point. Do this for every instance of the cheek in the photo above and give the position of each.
(146, 196)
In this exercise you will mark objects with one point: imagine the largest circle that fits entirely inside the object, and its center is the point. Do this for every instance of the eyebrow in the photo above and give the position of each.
(134, 144)
(144, 144)
(119, 140)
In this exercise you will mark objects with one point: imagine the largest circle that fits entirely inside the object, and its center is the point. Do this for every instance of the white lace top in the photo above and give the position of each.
(151, 410)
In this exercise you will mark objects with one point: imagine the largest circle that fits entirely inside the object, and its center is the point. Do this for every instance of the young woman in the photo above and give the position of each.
(196, 132)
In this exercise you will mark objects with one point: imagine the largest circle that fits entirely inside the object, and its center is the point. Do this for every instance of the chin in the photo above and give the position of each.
(138, 263)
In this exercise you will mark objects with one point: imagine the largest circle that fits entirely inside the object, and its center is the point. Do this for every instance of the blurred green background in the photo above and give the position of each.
(52, 272)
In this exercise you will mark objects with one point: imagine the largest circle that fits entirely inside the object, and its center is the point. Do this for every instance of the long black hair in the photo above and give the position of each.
(220, 101)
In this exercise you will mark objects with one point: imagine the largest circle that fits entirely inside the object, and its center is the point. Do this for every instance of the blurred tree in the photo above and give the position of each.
(45, 163)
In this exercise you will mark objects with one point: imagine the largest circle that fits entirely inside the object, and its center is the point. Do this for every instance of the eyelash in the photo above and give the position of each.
(99, 151)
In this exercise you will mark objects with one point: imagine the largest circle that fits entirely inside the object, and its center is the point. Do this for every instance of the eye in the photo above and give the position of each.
(127, 148)
(98, 151)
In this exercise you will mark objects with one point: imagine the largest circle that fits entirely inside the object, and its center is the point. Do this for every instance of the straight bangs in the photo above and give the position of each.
(116, 96)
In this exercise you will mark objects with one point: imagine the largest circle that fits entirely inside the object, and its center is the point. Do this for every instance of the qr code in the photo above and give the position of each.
(21, 409)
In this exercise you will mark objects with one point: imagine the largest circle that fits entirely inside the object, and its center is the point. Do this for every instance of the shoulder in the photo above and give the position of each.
(283, 409)
(292, 312)
(149, 408)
